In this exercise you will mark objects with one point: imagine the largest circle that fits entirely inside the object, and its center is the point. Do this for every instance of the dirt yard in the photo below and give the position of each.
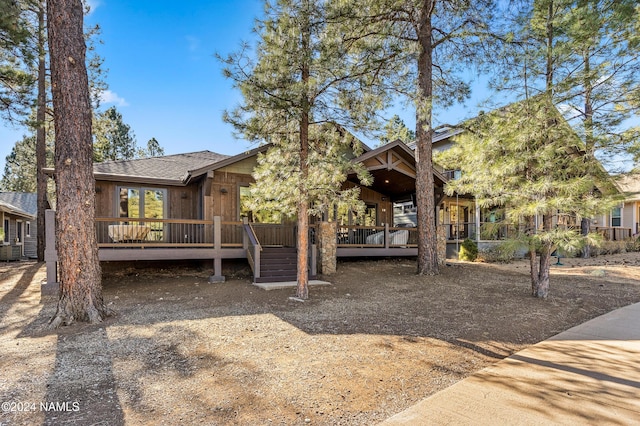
(379, 339)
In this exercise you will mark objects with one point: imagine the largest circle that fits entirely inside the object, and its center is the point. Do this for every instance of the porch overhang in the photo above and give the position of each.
(393, 168)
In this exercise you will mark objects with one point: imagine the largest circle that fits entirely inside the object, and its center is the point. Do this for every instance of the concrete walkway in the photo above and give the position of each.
(588, 375)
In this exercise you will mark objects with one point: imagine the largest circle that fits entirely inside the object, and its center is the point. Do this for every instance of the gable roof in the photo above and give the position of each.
(629, 185)
(393, 167)
(19, 203)
(168, 169)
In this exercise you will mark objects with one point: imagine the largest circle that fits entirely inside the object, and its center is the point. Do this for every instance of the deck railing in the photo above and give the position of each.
(497, 231)
(254, 249)
(376, 236)
(613, 233)
(146, 232)
(270, 234)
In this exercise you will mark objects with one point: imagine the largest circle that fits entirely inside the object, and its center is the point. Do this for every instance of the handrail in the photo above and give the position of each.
(253, 256)
(251, 233)
(154, 220)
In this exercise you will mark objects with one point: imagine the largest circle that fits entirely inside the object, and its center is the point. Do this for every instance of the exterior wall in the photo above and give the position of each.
(31, 240)
(224, 198)
(384, 213)
(631, 216)
(182, 202)
(26, 248)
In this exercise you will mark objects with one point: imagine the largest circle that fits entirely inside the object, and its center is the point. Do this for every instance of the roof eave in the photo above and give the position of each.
(138, 179)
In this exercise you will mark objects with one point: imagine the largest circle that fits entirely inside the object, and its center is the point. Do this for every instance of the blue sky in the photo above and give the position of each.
(163, 76)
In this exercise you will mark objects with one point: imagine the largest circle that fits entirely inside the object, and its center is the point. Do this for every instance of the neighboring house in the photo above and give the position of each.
(462, 217)
(18, 211)
(627, 215)
(194, 206)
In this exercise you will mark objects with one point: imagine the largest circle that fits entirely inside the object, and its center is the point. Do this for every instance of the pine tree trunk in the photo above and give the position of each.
(80, 276)
(427, 238)
(302, 288)
(542, 281)
(533, 269)
(542, 287)
(585, 224)
(589, 139)
(41, 138)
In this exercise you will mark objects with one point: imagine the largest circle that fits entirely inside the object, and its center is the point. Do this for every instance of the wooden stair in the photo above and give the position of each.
(278, 264)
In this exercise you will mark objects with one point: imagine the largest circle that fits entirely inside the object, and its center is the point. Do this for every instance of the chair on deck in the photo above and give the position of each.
(399, 238)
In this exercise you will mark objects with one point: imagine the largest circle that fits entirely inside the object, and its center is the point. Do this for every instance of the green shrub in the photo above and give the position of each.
(612, 247)
(633, 244)
(468, 250)
(501, 253)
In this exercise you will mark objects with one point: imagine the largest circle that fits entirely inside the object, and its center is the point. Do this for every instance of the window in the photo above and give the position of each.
(346, 216)
(404, 214)
(259, 216)
(19, 229)
(28, 228)
(148, 203)
(5, 230)
(616, 216)
(142, 202)
(452, 174)
(369, 217)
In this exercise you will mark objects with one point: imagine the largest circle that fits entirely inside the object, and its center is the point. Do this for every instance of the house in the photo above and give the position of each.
(463, 218)
(194, 206)
(18, 211)
(627, 215)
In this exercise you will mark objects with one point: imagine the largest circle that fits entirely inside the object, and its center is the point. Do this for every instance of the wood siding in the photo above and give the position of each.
(28, 246)
(224, 198)
(182, 201)
(384, 213)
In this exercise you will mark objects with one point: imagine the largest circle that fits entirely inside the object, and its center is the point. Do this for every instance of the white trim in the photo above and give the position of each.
(620, 217)
(141, 206)
(7, 231)
(19, 240)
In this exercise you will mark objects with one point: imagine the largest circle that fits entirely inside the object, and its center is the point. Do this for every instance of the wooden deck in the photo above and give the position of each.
(132, 239)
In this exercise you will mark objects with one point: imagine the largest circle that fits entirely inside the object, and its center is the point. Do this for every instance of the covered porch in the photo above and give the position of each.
(462, 218)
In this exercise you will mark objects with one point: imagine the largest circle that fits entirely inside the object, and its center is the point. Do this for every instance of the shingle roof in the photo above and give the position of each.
(166, 168)
(25, 203)
(630, 186)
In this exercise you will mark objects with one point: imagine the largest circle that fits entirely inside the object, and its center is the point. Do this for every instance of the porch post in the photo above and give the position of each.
(217, 276)
(477, 219)
(50, 286)
(386, 235)
(327, 243)
(245, 237)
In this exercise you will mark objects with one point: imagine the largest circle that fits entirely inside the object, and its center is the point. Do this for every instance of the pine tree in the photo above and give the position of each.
(434, 41)
(154, 149)
(396, 129)
(16, 82)
(80, 277)
(19, 168)
(114, 140)
(525, 157)
(313, 73)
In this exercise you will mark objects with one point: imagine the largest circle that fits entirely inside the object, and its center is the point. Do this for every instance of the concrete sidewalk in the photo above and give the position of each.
(588, 375)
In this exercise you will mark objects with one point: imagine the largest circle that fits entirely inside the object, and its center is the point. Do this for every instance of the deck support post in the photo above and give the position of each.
(245, 237)
(217, 276)
(51, 286)
(386, 235)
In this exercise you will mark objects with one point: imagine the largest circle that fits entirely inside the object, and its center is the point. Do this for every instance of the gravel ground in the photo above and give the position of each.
(181, 351)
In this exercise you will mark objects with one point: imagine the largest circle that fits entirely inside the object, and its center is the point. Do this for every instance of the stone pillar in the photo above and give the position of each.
(327, 242)
(441, 235)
